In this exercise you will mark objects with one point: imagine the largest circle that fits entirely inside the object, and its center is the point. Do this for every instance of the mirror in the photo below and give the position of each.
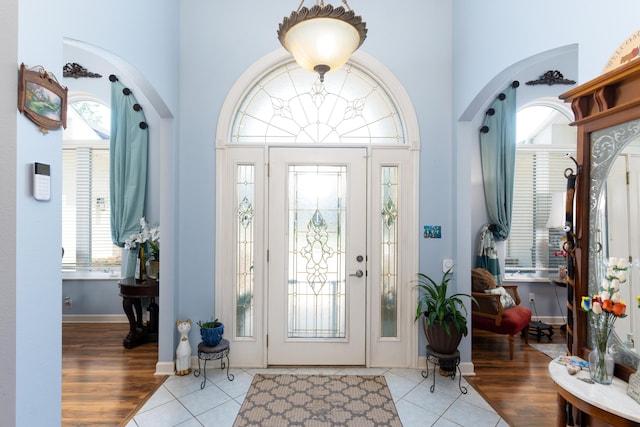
(615, 228)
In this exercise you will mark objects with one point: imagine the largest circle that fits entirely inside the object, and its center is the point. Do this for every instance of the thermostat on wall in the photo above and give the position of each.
(41, 181)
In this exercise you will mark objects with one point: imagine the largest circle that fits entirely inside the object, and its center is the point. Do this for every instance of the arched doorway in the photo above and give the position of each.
(163, 157)
(316, 213)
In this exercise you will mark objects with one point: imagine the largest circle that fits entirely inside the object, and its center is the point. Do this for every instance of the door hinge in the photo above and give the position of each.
(627, 177)
(267, 340)
(267, 255)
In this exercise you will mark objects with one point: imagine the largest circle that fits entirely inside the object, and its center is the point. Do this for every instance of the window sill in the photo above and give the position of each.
(525, 279)
(91, 275)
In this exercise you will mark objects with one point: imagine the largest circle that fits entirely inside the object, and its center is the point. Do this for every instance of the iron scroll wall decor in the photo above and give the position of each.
(551, 77)
(76, 70)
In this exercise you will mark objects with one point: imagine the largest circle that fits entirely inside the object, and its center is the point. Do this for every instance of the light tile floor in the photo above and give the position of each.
(181, 402)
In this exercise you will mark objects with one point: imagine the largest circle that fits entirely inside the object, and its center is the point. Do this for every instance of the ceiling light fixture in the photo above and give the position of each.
(322, 38)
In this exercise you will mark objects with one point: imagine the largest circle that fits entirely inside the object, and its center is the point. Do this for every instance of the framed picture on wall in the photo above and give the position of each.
(42, 99)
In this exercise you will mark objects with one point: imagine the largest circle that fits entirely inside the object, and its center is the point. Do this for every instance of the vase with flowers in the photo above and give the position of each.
(145, 246)
(604, 309)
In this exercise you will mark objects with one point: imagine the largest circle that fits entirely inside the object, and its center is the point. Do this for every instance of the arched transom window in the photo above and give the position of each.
(290, 105)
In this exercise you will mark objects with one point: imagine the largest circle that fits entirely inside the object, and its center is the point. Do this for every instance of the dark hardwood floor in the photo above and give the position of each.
(103, 384)
(520, 390)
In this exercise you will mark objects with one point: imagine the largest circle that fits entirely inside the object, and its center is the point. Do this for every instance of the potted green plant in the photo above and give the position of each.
(444, 317)
(211, 332)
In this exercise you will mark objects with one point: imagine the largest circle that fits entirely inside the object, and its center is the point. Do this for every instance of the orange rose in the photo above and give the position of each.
(619, 309)
(607, 305)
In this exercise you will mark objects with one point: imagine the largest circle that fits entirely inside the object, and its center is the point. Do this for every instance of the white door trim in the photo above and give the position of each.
(350, 348)
(250, 352)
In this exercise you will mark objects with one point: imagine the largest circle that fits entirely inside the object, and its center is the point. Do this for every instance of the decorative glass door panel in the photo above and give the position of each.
(317, 277)
(317, 256)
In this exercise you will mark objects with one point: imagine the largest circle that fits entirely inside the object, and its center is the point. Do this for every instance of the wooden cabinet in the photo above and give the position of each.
(607, 115)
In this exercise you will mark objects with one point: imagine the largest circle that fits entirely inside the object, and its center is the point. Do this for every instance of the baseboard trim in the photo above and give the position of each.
(94, 318)
(550, 320)
(166, 368)
(169, 368)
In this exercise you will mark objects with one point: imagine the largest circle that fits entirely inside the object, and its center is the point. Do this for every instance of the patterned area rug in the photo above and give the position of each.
(318, 401)
(551, 350)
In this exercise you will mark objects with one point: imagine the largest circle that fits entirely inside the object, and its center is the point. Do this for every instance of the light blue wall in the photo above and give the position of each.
(8, 214)
(491, 48)
(451, 57)
(138, 42)
(92, 297)
(37, 284)
(416, 46)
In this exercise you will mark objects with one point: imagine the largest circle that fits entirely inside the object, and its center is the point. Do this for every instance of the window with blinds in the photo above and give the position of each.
(86, 215)
(534, 246)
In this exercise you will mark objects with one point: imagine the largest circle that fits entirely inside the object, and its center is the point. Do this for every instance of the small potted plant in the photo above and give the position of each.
(444, 317)
(211, 332)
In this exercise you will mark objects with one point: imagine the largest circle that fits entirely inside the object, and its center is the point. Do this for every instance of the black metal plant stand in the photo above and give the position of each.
(448, 362)
(213, 353)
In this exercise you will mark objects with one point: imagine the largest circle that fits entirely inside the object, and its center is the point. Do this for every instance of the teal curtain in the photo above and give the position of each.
(498, 154)
(487, 257)
(128, 178)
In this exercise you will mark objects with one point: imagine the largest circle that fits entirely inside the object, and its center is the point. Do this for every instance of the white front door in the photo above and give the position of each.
(317, 256)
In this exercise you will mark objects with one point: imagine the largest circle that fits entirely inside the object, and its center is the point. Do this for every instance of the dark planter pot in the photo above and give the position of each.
(439, 340)
(211, 336)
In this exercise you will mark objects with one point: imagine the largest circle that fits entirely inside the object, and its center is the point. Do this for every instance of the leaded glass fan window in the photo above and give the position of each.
(290, 105)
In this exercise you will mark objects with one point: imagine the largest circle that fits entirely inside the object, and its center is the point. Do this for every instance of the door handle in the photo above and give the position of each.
(358, 273)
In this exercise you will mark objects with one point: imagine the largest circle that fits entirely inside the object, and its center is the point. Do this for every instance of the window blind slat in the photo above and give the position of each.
(86, 216)
(531, 247)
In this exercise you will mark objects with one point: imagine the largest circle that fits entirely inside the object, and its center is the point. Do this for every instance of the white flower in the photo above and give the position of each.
(622, 276)
(615, 298)
(604, 294)
(130, 243)
(145, 235)
(596, 307)
(610, 273)
(615, 285)
(622, 264)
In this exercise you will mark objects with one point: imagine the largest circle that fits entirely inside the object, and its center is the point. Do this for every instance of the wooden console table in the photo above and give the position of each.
(609, 403)
(132, 293)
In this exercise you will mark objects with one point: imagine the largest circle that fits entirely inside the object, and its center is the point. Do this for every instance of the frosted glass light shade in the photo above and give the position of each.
(322, 38)
(322, 41)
